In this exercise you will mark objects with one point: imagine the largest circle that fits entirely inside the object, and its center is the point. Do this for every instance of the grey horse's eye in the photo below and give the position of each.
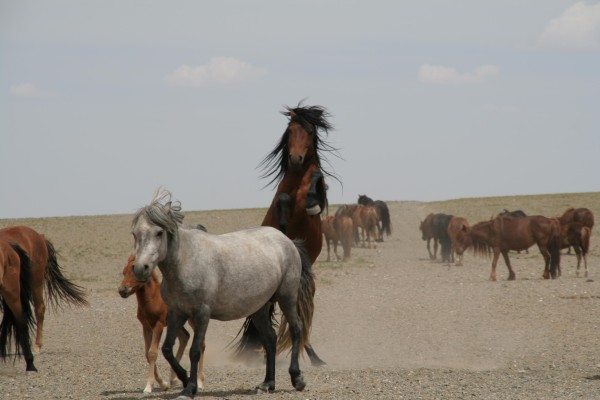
(160, 233)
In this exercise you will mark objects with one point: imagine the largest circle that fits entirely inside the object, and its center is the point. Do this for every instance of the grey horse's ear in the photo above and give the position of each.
(167, 207)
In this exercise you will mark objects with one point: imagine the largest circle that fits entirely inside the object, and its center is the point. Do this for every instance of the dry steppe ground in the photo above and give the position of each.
(390, 323)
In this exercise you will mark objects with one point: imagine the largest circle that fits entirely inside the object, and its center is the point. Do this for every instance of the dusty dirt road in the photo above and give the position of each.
(390, 323)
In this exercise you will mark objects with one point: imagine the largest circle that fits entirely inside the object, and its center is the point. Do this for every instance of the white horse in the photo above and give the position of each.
(223, 277)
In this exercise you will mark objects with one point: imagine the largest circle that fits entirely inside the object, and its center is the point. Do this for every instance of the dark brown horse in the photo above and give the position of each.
(152, 314)
(296, 166)
(384, 222)
(427, 233)
(15, 304)
(502, 234)
(45, 274)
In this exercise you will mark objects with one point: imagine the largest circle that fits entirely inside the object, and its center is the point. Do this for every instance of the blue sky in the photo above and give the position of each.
(101, 102)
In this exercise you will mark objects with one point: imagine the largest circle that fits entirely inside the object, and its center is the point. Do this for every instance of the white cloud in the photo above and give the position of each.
(27, 90)
(219, 71)
(578, 28)
(442, 75)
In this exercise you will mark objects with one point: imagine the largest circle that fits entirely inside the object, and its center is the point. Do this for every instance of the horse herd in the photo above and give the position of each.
(511, 230)
(247, 273)
(369, 217)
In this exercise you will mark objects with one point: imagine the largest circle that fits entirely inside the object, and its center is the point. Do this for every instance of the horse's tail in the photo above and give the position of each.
(586, 233)
(305, 303)
(249, 345)
(58, 287)
(386, 221)
(554, 246)
(18, 326)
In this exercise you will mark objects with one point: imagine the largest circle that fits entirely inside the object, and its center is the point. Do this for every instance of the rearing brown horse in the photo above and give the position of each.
(295, 165)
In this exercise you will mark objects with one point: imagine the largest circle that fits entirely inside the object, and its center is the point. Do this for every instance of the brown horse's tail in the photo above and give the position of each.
(586, 234)
(59, 288)
(17, 327)
(305, 306)
(554, 246)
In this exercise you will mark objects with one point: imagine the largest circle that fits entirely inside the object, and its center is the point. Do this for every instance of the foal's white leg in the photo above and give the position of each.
(147, 341)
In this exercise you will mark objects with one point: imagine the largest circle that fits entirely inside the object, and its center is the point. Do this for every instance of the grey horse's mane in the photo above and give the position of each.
(162, 211)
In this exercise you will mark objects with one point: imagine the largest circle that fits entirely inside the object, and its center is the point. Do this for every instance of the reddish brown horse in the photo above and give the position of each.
(338, 229)
(152, 314)
(384, 222)
(456, 225)
(296, 165)
(502, 234)
(15, 295)
(45, 273)
(577, 235)
(365, 219)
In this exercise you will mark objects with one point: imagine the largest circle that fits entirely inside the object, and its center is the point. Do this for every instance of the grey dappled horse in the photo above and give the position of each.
(223, 277)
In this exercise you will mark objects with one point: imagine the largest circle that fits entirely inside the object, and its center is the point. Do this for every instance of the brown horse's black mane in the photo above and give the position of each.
(314, 120)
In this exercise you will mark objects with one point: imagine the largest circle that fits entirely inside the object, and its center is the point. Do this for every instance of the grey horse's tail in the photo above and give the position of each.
(59, 288)
(305, 304)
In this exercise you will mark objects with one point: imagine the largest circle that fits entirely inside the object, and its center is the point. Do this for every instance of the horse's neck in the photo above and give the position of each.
(292, 180)
(147, 292)
(169, 267)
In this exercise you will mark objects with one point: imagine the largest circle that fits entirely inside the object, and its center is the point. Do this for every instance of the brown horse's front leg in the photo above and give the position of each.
(312, 202)
(546, 255)
(511, 273)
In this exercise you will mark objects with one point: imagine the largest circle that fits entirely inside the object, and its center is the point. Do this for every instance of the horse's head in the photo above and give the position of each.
(301, 145)
(462, 240)
(153, 228)
(129, 285)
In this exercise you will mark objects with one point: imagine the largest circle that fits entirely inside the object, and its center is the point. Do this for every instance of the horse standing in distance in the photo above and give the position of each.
(15, 304)
(331, 237)
(516, 214)
(48, 284)
(365, 219)
(582, 215)
(152, 314)
(427, 233)
(577, 235)
(456, 225)
(384, 222)
(338, 229)
(502, 234)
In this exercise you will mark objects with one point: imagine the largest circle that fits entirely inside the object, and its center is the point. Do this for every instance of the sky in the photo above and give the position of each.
(102, 102)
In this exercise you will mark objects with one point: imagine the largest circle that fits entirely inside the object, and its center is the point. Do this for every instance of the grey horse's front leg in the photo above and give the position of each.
(174, 324)
(312, 203)
(200, 324)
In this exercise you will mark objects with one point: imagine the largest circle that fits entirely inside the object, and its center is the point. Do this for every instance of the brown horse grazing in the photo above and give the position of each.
(427, 233)
(45, 272)
(365, 218)
(384, 222)
(296, 165)
(15, 295)
(152, 314)
(502, 234)
(577, 235)
(456, 225)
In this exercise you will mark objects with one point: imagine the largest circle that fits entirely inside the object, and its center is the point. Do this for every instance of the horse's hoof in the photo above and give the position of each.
(183, 398)
(265, 387)
(299, 383)
(148, 389)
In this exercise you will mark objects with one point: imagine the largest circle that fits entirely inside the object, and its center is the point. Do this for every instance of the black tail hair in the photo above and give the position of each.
(59, 288)
(17, 327)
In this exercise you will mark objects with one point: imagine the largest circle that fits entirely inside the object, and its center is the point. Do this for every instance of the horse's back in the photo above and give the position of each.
(29, 240)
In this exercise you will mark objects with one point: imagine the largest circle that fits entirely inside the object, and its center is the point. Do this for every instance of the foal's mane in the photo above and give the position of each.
(162, 211)
(313, 119)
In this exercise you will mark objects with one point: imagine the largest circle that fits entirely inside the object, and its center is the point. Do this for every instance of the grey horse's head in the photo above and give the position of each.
(153, 227)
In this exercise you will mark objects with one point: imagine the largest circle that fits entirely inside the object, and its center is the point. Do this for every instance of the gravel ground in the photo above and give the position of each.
(390, 323)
